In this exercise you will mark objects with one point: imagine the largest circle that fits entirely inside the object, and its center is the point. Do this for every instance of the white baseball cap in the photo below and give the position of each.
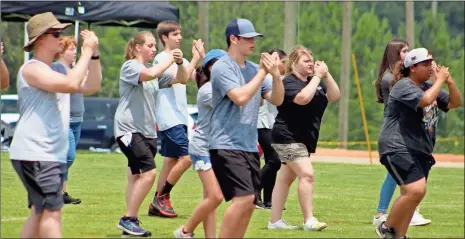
(416, 56)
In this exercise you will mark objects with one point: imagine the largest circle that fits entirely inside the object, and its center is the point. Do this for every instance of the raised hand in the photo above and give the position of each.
(90, 40)
(272, 63)
(177, 56)
(320, 69)
(197, 48)
(443, 74)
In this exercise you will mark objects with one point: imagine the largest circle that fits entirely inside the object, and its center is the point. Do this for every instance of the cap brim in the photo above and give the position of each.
(251, 35)
(61, 26)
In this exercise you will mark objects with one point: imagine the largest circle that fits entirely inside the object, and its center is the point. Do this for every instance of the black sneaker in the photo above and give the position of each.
(260, 205)
(385, 232)
(70, 200)
(268, 205)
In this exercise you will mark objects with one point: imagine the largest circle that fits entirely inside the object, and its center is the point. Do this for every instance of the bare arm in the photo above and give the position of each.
(4, 74)
(155, 71)
(276, 96)
(432, 93)
(241, 96)
(307, 93)
(93, 81)
(42, 77)
(332, 90)
(455, 97)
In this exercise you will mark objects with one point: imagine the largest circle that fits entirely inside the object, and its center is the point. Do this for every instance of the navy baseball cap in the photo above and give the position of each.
(242, 28)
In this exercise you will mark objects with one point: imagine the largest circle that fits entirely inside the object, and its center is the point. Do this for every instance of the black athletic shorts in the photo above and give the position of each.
(43, 181)
(407, 168)
(238, 172)
(140, 153)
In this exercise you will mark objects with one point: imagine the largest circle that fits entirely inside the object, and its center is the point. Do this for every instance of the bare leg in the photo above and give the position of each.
(139, 191)
(50, 224)
(237, 216)
(178, 170)
(206, 210)
(31, 227)
(404, 207)
(304, 170)
(280, 192)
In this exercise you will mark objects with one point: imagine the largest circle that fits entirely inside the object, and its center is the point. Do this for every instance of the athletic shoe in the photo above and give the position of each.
(419, 220)
(260, 205)
(130, 225)
(70, 200)
(281, 224)
(180, 234)
(314, 225)
(387, 232)
(161, 206)
(378, 220)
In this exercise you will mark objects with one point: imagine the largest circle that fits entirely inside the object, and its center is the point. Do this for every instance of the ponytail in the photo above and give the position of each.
(129, 54)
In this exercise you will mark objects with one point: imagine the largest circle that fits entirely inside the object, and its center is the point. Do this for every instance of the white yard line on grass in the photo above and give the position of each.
(13, 219)
(355, 160)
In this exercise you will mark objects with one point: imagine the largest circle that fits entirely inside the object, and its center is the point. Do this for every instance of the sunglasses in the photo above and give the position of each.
(55, 34)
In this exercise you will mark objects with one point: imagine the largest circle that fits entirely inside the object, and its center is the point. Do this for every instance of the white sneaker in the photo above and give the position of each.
(314, 225)
(419, 220)
(378, 220)
(281, 224)
(179, 234)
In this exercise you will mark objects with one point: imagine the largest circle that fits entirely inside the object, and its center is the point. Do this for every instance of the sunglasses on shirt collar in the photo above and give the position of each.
(55, 34)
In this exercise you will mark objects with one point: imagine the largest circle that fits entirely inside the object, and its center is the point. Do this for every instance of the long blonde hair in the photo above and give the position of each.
(294, 57)
(138, 39)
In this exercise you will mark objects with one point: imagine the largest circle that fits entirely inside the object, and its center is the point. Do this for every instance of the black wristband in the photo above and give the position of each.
(179, 63)
(95, 57)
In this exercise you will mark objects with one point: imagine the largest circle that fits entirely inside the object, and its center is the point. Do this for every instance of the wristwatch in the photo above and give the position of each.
(95, 57)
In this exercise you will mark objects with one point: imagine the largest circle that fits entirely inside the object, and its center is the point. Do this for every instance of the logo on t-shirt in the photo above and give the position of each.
(430, 117)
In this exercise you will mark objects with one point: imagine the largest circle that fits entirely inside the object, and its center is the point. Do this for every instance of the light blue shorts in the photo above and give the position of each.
(200, 163)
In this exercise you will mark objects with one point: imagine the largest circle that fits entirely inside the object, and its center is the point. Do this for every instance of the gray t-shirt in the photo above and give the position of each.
(171, 107)
(407, 127)
(384, 86)
(266, 115)
(76, 99)
(41, 133)
(136, 109)
(198, 145)
(234, 127)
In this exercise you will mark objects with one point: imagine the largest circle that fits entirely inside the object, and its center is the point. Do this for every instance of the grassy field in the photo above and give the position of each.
(345, 197)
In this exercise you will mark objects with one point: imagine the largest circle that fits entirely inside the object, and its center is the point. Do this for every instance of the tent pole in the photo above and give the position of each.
(26, 39)
(76, 35)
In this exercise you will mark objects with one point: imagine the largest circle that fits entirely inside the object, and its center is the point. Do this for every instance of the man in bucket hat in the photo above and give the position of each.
(40, 143)
(237, 87)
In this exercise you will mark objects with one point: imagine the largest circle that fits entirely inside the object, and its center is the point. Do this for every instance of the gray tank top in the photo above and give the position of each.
(41, 133)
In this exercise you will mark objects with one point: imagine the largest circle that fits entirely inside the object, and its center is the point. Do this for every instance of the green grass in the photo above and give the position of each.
(345, 197)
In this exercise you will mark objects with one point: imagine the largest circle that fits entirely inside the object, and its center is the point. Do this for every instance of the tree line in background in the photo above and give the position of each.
(319, 29)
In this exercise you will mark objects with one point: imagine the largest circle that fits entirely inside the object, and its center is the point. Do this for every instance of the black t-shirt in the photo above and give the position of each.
(406, 126)
(299, 123)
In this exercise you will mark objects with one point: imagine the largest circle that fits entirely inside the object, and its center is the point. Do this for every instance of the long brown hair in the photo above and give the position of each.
(138, 39)
(391, 56)
(398, 73)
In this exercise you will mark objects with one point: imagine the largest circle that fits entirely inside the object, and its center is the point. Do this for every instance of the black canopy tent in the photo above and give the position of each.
(130, 14)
